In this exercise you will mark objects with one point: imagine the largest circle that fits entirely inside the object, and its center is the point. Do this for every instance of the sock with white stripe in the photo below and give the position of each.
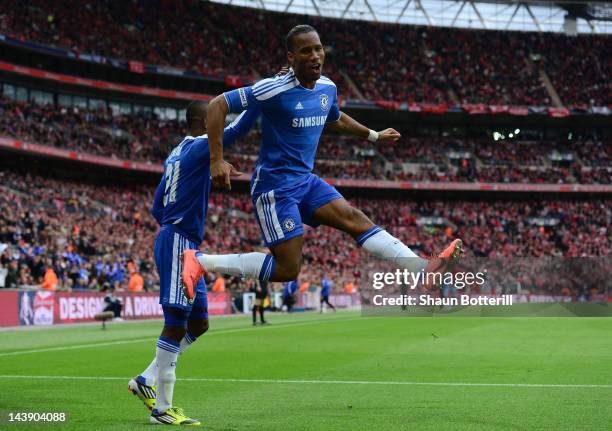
(385, 246)
(253, 265)
(167, 354)
(150, 374)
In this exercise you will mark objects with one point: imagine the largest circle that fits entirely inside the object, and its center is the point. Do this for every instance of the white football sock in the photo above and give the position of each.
(385, 246)
(254, 265)
(187, 341)
(167, 355)
(150, 374)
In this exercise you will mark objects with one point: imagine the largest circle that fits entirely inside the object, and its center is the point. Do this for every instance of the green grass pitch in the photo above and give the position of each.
(326, 372)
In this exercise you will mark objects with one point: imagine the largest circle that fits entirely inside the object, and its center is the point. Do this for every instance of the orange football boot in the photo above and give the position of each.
(192, 273)
(446, 260)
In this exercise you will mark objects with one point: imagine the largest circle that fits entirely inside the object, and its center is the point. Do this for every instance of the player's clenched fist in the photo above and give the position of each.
(221, 173)
(388, 135)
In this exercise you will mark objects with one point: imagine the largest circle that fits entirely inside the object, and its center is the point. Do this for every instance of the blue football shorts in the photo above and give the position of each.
(169, 246)
(281, 212)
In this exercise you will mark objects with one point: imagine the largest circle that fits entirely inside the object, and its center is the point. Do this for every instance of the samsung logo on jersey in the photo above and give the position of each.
(318, 120)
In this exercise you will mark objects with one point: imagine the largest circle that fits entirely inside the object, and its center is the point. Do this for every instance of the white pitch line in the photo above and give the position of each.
(75, 347)
(140, 340)
(330, 382)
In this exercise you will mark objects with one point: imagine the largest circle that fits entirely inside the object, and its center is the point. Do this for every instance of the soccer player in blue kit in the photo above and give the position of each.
(180, 206)
(296, 107)
(326, 285)
(289, 291)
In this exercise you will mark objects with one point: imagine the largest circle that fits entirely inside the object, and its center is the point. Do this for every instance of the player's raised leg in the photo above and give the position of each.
(256, 265)
(283, 265)
(341, 215)
(280, 222)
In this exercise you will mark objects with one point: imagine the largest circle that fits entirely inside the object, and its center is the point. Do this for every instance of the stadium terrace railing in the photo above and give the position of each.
(34, 149)
(101, 85)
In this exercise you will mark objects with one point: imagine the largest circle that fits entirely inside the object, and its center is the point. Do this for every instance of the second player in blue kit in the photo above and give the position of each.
(180, 206)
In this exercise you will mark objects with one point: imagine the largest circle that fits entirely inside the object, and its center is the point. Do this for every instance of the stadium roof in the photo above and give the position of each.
(554, 16)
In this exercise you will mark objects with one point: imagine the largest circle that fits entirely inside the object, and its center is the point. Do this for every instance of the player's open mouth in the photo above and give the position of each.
(316, 68)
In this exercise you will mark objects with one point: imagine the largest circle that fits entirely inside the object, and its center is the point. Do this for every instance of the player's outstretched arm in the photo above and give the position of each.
(240, 127)
(349, 126)
(220, 170)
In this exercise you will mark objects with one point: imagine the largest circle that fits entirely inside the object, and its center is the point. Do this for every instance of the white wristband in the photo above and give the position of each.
(373, 136)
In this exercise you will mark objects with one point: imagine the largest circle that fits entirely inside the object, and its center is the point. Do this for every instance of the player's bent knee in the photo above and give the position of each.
(288, 272)
(284, 276)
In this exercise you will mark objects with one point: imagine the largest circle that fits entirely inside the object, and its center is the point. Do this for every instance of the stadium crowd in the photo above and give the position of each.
(145, 137)
(489, 67)
(579, 69)
(405, 63)
(142, 137)
(88, 235)
(64, 234)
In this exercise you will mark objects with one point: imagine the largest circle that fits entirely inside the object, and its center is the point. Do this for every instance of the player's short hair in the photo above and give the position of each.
(298, 29)
(196, 112)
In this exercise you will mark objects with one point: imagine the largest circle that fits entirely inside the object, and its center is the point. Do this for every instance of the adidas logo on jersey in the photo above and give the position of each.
(299, 106)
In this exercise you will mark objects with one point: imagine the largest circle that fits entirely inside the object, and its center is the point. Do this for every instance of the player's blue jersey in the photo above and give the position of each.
(325, 287)
(290, 288)
(293, 118)
(181, 199)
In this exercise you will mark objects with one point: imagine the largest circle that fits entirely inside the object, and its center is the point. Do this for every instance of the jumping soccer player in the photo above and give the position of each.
(180, 206)
(295, 109)
(325, 289)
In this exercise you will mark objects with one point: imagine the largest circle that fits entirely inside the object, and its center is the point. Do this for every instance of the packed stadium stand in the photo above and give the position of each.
(145, 137)
(91, 232)
(385, 62)
(88, 233)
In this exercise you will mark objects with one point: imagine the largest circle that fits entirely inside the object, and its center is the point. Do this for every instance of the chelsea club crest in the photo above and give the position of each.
(289, 224)
(324, 101)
